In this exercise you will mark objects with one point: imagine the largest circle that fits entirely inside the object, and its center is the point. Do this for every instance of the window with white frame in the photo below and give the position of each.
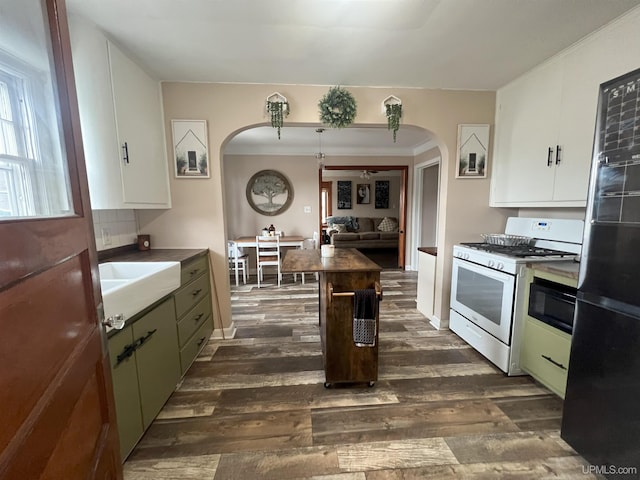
(33, 177)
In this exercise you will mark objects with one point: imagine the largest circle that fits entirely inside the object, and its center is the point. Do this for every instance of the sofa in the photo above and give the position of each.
(363, 232)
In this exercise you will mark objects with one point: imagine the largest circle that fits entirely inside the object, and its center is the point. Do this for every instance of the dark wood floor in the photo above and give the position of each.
(254, 407)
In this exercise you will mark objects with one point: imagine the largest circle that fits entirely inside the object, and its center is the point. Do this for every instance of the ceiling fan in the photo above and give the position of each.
(366, 174)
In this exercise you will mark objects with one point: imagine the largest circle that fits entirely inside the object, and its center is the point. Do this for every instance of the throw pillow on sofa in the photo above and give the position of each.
(388, 225)
(339, 228)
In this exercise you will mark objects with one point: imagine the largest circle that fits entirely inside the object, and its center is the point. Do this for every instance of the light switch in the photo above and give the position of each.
(307, 209)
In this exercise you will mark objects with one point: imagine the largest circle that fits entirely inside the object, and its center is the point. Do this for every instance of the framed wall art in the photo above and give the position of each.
(269, 192)
(473, 151)
(364, 194)
(344, 194)
(190, 148)
(382, 194)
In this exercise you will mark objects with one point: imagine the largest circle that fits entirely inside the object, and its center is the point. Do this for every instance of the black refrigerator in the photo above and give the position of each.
(601, 416)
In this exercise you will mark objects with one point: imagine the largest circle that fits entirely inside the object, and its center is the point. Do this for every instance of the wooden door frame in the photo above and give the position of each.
(402, 206)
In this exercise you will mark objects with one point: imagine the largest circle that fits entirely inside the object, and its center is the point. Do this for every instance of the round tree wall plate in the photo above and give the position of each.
(269, 192)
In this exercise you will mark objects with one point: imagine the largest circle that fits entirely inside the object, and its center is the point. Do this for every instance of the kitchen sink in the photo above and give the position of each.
(130, 287)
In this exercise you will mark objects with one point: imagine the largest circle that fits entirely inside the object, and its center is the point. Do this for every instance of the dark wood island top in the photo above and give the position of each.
(344, 260)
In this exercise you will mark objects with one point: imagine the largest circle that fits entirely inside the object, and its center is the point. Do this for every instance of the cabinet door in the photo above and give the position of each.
(125, 389)
(157, 358)
(138, 112)
(526, 127)
(612, 52)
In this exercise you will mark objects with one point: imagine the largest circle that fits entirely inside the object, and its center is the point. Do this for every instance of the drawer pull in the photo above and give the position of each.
(549, 359)
(196, 292)
(193, 272)
(198, 317)
(201, 341)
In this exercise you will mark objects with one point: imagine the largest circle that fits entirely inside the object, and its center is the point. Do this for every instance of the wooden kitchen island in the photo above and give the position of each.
(339, 276)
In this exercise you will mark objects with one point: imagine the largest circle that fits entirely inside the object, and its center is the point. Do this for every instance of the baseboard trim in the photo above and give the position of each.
(439, 324)
(226, 333)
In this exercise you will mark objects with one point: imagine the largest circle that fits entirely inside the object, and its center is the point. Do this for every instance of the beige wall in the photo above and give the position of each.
(367, 210)
(302, 173)
(197, 217)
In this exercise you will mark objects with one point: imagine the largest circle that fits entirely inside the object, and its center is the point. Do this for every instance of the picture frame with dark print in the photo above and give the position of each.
(382, 193)
(344, 194)
(473, 151)
(190, 148)
(363, 196)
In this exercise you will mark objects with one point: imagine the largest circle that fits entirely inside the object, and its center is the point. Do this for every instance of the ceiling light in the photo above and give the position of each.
(320, 155)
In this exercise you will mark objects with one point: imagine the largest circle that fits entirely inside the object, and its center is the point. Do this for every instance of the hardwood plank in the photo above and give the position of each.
(278, 465)
(541, 412)
(505, 447)
(182, 468)
(395, 422)
(398, 454)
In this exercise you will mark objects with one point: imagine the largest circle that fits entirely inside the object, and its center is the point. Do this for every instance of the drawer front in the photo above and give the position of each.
(545, 355)
(193, 319)
(194, 269)
(199, 339)
(189, 295)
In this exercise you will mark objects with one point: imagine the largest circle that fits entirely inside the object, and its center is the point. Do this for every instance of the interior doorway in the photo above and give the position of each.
(426, 188)
(382, 170)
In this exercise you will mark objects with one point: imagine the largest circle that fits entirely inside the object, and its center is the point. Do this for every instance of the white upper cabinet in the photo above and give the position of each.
(545, 120)
(122, 124)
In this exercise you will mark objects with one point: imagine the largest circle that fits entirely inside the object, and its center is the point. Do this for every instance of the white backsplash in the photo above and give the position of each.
(118, 226)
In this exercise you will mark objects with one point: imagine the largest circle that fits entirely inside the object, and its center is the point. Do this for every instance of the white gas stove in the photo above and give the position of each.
(488, 286)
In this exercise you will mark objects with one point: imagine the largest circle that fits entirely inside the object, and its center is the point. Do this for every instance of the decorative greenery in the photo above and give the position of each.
(277, 110)
(337, 108)
(394, 114)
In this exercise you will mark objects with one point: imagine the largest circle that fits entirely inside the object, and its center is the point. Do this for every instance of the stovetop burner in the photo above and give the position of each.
(518, 250)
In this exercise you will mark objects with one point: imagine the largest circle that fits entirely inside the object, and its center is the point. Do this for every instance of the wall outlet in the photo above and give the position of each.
(307, 209)
(106, 236)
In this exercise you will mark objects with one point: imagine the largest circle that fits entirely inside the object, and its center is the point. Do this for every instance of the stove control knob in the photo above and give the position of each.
(466, 256)
(491, 263)
(500, 266)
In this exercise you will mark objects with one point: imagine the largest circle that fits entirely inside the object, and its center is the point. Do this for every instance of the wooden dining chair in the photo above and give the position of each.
(238, 261)
(268, 254)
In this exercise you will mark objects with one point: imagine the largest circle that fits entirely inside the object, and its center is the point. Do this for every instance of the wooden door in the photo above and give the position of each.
(55, 386)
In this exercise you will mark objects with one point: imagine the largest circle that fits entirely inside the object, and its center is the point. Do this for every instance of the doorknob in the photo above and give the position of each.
(115, 321)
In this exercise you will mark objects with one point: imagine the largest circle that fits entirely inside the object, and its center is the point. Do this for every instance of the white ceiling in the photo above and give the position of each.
(449, 44)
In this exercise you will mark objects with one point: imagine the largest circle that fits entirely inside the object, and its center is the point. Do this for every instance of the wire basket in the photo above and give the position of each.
(505, 239)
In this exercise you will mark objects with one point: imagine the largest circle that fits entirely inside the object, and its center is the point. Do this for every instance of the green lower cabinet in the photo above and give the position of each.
(145, 366)
(193, 346)
(126, 391)
(545, 354)
(157, 358)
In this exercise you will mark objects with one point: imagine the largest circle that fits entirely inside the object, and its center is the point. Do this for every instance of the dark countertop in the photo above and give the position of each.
(345, 260)
(430, 250)
(130, 253)
(568, 269)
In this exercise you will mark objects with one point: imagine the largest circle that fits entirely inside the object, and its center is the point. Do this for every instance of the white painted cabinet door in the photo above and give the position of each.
(139, 125)
(526, 128)
(609, 54)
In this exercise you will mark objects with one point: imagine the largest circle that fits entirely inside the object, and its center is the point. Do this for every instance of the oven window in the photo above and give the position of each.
(480, 293)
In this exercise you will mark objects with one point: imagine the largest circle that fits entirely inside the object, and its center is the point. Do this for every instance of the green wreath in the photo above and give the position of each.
(337, 108)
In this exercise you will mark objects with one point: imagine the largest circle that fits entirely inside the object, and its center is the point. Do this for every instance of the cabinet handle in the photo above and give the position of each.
(196, 292)
(549, 359)
(127, 351)
(550, 157)
(125, 153)
(558, 151)
(193, 272)
(198, 317)
(201, 341)
(141, 340)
